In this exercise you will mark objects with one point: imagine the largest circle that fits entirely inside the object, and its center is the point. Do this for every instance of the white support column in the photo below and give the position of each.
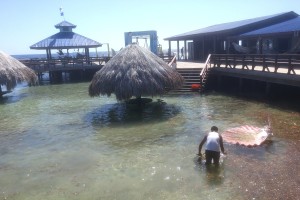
(185, 50)
(169, 53)
(178, 55)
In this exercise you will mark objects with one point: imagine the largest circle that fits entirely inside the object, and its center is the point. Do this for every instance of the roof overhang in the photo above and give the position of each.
(66, 47)
(235, 28)
(66, 40)
(284, 29)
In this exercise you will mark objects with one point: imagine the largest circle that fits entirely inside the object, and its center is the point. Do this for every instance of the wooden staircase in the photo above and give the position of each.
(191, 76)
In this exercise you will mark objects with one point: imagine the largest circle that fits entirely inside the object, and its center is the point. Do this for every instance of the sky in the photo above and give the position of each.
(26, 22)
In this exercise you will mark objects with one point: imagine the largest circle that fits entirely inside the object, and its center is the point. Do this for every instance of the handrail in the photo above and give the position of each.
(204, 72)
(271, 63)
(43, 64)
(206, 65)
(173, 61)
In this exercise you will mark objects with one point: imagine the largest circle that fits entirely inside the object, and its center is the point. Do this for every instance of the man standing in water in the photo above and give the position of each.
(214, 142)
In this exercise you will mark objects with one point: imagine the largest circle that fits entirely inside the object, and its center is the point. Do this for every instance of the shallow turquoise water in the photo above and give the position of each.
(58, 143)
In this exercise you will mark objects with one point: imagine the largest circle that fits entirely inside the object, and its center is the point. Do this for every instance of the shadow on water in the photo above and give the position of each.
(283, 100)
(125, 127)
(120, 114)
(257, 153)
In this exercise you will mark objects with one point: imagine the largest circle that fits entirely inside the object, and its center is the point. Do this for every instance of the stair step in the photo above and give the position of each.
(191, 76)
(187, 90)
(190, 79)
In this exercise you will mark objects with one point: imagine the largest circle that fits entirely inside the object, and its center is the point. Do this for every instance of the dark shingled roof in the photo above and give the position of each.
(65, 39)
(233, 27)
(65, 24)
(284, 27)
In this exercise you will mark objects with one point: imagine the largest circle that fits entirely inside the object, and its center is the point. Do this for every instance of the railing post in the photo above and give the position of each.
(243, 62)
(253, 62)
(264, 63)
(216, 60)
(290, 66)
(276, 63)
(234, 61)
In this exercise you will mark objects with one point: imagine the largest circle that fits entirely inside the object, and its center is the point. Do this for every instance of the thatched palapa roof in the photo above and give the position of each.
(13, 71)
(134, 72)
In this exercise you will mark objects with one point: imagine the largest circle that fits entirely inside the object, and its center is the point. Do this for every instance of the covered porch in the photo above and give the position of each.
(238, 38)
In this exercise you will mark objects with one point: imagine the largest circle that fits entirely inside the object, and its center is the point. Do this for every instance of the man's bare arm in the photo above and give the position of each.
(201, 144)
(221, 144)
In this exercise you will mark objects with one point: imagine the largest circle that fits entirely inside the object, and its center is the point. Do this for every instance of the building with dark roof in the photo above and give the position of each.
(274, 33)
(65, 39)
(283, 37)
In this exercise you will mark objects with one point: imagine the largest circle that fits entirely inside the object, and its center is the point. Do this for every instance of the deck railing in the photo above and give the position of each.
(69, 63)
(276, 63)
(207, 66)
(172, 62)
(205, 70)
(42, 65)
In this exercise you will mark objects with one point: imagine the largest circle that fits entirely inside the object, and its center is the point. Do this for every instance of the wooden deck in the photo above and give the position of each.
(273, 63)
(190, 65)
(65, 64)
(281, 69)
(278, 68)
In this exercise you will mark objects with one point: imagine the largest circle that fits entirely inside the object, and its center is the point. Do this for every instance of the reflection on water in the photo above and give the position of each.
(214, 174)
(122, 114)
(58, 143)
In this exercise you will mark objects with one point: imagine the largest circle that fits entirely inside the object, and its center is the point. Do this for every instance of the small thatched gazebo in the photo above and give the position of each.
(134, 72)
(13, 71)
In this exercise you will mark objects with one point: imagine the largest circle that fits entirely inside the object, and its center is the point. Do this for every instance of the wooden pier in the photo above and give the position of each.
(55, 67)
(280, 69)
(276, 68)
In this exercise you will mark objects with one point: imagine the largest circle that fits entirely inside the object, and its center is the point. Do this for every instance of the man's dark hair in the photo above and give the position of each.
(214, 128)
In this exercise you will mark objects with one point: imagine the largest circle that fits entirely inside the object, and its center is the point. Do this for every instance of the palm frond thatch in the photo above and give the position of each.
(135, 71)
(13, 71)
